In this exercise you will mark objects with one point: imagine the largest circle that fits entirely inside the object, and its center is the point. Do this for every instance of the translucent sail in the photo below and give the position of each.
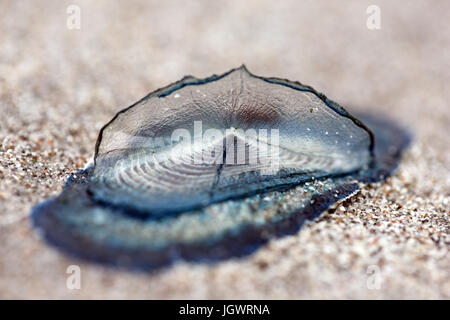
(198, 142)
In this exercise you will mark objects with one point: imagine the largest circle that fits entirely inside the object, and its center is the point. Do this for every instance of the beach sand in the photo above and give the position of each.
(58, 86)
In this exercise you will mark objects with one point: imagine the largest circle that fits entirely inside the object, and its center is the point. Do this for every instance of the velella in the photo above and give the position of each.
(207, 169)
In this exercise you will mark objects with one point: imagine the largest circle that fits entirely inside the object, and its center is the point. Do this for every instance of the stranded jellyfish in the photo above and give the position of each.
(207, 169)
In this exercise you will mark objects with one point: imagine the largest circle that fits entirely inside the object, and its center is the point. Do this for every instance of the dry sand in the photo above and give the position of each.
(59, 86)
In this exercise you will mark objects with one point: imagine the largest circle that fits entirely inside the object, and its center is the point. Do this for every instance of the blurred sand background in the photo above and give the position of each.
(59, 86)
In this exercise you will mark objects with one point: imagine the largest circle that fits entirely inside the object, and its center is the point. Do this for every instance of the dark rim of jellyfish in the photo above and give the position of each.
(391, 141)
(193, 81)
(231, 245)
